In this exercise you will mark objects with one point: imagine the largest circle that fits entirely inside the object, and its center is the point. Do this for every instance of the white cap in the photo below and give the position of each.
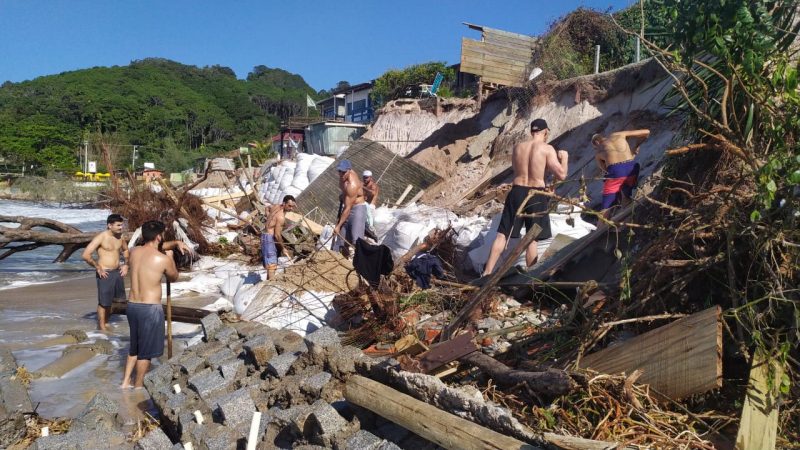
(367, 173)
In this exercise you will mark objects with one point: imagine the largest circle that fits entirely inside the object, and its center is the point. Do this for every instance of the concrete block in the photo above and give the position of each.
(313, 385)
(220, 356)
(226, 334)
(261, 348)
(96, 421)
(293, 418)
(81, 440)
(100, 403)
(323, 422)
(324, 339)
(207, 382)
(210, 323)
(236, 408)
(158, 377)
(341, 360)
(280, 365)
(176, 401)
(288, 341)
(154, 440)
(218, 437)
(232, 369)
(191, 364)
(387, 445)
(392, 432)
(489, 323)
(363, 440)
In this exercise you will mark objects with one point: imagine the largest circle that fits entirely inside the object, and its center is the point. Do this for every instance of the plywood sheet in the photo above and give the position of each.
(678, 359)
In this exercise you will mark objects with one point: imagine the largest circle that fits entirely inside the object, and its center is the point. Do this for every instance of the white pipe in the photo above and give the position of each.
(252, 438)
(596, 59)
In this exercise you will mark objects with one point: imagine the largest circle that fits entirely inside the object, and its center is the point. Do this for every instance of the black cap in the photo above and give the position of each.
(538, 125)
(114, 218)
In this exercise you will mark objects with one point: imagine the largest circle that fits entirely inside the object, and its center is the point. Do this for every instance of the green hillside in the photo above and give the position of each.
(174, 111)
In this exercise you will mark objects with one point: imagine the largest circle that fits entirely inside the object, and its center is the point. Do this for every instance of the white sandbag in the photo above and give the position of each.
(231, 285)
(326, 237)
(403, 236)
(291, 190)
(244, 296)
(300, 181)
(318, 166)
(286, 180)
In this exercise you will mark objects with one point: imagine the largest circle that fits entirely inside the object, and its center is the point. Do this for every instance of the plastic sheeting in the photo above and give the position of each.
(302, 312)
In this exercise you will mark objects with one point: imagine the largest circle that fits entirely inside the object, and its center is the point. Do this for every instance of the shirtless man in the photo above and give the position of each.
(144, 310)
(353, 217)
(271, 237)
(371, 188)
(615, 158)
(531, 160)
(109, 273)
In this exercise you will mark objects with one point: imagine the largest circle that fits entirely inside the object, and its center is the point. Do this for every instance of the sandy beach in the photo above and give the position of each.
(34, 313)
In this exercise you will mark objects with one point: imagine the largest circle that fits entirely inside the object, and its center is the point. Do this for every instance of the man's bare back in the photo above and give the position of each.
(530, 161)
(615, 148)
(352, 188)
(148, 265)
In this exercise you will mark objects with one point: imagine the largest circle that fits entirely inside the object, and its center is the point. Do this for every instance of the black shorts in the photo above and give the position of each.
(110, 287)
(146, 322)
(511, 225)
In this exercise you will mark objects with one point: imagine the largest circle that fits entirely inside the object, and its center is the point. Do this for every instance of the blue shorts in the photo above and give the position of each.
(269, 253)
(621, 179)
(146, 321)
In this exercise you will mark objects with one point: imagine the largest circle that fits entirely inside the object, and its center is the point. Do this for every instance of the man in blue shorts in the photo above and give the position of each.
(110, 273)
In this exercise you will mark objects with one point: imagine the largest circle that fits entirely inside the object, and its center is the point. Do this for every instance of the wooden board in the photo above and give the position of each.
(758, 428)
(484, 58)
(493, 70)
(441, 354)
(679, 359)
(433, 424)
(304, 221)
(486, 48)
(504, 80)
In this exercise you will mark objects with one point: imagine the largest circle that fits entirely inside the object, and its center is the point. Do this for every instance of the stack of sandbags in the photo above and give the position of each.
(292, 178)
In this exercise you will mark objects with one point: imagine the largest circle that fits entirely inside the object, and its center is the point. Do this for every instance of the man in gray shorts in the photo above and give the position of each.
(108, 270)
(145, 314)
(353, 209)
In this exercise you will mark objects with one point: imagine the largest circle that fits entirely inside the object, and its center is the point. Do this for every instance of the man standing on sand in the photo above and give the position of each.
(531, 160)
(615, 158)
(144, 310)
(353, 217)
(109, 273)
(271, 237)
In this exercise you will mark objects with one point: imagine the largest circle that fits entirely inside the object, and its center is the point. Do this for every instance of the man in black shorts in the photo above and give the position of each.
(531, 161)
(145, 314)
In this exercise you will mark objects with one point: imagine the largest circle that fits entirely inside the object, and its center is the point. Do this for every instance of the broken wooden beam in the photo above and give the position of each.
(433, 424)
(551, 382)
(498, 274)
(678, 359)
(445, 352)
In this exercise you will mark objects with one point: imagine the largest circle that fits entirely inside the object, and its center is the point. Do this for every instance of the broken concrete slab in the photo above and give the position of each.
(232, 369)
(236, 408)
(208, 382)
(226, 334)
(211, 324)
(158, 377)
(218, 437)
(220, 356)
(363, 440)
(482, 144)
(80, 440)
(261, 348)
(279, 365)
(323, 423)
(341, 360)
(191, 364)
(313, 385)
(154, 440)
(323, 339)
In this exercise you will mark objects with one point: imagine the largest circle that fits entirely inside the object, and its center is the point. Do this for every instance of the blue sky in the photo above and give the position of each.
(324, 41)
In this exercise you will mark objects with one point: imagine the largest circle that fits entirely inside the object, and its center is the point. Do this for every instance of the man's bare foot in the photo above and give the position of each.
(125, 385)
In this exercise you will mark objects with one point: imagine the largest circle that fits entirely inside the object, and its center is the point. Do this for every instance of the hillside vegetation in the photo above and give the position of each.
(154, 103)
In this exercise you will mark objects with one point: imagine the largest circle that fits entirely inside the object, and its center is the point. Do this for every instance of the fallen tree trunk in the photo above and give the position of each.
(69, 237)
(551, 382)
(179, 313)
(435, 425)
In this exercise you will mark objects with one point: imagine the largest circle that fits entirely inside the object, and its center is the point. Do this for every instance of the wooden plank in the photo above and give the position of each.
(679, 359)
(488, 72)
(441, 354)
(416, 196)
(484, 47)
(758, 428)
(433, 424)
(226, 196)
(576, 443)
(483, 58)
(403, 195)
(501, 82)
(496, 41)
(495, 50)
(305, 221)
(505, 33)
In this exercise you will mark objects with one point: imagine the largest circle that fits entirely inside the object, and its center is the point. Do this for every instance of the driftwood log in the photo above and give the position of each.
(67, 236)
(551, 382)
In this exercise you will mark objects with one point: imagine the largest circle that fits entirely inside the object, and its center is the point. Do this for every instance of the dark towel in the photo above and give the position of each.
(422, 266)
(372, 261)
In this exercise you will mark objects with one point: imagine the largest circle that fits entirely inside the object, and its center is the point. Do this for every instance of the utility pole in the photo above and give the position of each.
(133, 159)
(597, 59)
(85, 156)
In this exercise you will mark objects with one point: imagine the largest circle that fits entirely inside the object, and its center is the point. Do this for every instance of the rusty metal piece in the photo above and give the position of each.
(448, 351)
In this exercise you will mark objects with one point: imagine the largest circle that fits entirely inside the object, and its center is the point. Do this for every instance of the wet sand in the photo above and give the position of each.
(35, 313)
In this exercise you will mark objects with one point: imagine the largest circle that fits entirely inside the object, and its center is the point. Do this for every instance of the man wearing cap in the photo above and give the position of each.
(614, 157)
(353, 217)
(531, 161)
(109, 272)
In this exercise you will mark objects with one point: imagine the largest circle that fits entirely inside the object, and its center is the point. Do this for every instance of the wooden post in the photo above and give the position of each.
(476, 299)
(169, 320)
(758, 428)
(433, 424)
